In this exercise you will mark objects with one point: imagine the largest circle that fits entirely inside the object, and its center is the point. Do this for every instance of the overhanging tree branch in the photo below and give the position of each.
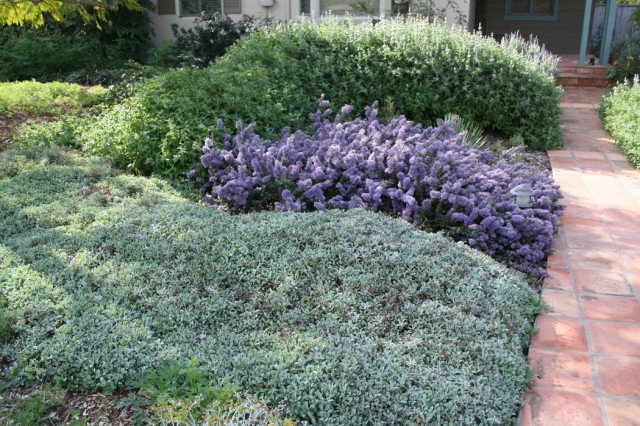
(31, 12)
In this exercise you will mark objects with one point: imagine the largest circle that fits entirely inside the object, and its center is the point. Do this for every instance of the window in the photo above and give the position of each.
(195, 7)
(305, 7)
(166, 7)
(531, 10)
(341, 7)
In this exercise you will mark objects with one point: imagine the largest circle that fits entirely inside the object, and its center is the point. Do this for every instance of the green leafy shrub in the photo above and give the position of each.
(276, 77)
(160, 127)
(209, 39)
(5, 325)
(73, 48)
(542, 59)
(626, 54)
(343, 317)
(621, 118)
(46, 98)
(33, 55)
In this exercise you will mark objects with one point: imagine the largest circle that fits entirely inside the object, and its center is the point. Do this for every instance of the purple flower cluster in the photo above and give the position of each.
(422, 174)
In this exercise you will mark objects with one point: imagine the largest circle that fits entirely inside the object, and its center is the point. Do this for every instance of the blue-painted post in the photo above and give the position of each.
(607, 32)
(586, 24)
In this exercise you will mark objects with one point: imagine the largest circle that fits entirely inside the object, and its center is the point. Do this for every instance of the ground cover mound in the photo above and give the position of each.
(413, 68)
(344, 317)
(621, 118)
(33, 98)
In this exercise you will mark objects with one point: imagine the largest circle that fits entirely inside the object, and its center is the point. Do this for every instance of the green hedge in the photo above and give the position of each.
(73, 50)
(621, 118)
(413, 68)
(344, 317)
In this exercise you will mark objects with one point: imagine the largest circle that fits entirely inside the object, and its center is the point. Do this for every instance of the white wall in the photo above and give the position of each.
(282, 10)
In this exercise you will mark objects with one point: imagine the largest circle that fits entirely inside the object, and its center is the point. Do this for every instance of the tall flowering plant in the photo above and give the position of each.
(422, 174)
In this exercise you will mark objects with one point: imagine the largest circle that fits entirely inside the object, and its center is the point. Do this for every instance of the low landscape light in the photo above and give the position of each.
(523, 195)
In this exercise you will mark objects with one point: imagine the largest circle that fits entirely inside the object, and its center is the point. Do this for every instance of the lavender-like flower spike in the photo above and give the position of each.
(346, 110)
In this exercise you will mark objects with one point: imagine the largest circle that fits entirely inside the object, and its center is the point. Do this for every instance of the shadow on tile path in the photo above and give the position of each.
(586, 354)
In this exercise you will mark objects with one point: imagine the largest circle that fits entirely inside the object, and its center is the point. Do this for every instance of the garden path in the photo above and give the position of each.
(586, 354)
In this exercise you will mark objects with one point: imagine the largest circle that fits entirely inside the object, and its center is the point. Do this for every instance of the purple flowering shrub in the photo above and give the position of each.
(422, 174)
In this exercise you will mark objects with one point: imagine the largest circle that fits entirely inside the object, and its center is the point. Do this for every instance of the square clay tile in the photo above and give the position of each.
(608, 146)
(559, 333)
(554, 407)
(591, 155)
(619, 376)
(623, 230)
(562, 163)
(611, 308)
(586, 211)
(616, 198)
(583, 105)
(590, 147)
(593, 225)
(559, 279)
(627, 215)
(588, 165)
(615, 339)
(559, 153)
(589, 241)
(601, 282)
(631, 261)
(635, 281)
(578, 137)
(563, 369)
(622, 412)
(560, 303)
(557, 259)
(622, 165)
(628, 243)
(596, 260)
(616, 156)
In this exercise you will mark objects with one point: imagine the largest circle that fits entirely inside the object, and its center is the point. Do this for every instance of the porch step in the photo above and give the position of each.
(583, 76)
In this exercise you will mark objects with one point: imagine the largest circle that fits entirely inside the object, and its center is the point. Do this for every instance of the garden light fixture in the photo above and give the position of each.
(523, 195)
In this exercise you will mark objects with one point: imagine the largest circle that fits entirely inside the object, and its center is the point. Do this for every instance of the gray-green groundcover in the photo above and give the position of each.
(347, 318)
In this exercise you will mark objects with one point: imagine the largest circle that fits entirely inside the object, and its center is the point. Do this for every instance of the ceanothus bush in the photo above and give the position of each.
(422, 174)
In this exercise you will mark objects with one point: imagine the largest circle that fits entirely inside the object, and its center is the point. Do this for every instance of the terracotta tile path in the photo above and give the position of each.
(586, 354)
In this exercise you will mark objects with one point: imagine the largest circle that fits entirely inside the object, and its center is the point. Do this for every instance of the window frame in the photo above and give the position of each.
(530, 16)
(314, 6)
(189, 15)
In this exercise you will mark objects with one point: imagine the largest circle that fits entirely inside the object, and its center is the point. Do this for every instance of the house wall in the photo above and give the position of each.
(281, 10)
(561, 36)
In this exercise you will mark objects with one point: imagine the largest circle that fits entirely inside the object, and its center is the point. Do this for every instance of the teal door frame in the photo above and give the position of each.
(607, 31)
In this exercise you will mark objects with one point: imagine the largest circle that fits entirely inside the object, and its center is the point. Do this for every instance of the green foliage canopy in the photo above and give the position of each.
(33, 12)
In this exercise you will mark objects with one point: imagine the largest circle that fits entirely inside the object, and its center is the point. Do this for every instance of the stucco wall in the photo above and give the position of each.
(162, 23)
(282, 10)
